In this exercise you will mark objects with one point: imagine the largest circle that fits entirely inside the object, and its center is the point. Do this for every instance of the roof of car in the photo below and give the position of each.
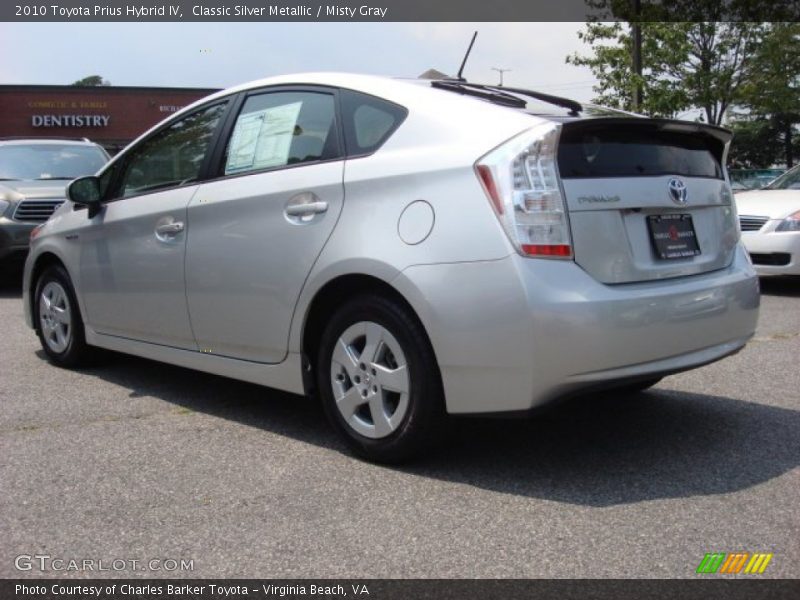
(399, 88)
(437, 106)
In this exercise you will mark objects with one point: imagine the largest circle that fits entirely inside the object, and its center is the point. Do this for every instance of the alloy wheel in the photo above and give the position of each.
(55, 316)
(370, 379)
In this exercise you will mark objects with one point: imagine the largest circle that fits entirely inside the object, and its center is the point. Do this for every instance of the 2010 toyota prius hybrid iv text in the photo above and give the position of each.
(403, 249)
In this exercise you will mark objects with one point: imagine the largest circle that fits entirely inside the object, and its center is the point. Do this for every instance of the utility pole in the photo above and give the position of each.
(636, 54)
(501, 71)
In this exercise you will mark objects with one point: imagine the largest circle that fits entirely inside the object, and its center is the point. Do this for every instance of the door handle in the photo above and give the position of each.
(173, 228)
(307, 208)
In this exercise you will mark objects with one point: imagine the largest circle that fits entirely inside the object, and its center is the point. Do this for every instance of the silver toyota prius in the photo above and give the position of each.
(402, 249)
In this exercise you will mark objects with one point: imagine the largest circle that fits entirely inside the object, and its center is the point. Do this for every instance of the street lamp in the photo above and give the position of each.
(636, 53)
(501, 71)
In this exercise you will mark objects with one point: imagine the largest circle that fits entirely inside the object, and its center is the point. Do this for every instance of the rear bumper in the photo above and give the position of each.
(774, 253)
(513, 334)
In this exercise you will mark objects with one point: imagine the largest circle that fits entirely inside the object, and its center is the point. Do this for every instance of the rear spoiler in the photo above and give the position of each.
(720, 134)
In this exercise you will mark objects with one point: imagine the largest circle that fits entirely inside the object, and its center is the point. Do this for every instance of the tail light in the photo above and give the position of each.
(521, 181)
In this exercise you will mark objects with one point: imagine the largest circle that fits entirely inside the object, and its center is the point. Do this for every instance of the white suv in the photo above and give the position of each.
(405, 249)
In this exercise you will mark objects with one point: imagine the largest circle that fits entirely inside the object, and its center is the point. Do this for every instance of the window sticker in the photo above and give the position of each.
(262, 139)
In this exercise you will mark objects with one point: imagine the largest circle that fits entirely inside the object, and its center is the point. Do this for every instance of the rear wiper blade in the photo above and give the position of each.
(572, 105)
(479, 91)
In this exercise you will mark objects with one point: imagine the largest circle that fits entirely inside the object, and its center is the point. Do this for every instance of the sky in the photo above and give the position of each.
(218, 55)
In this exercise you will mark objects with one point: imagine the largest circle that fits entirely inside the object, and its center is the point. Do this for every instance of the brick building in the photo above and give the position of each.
(110, 116)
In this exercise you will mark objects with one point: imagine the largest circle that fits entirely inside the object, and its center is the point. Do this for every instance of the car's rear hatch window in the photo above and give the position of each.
(647, 198)
(635, 152)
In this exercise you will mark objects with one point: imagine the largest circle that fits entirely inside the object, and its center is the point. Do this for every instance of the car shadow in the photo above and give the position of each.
(780, 286)
(10, 283)
(608, 449)
(601, 450)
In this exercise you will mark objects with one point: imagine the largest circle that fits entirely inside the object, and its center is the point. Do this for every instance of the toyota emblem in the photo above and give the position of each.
(677, 191)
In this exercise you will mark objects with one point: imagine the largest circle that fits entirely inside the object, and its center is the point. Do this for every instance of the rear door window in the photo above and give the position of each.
(280, 129)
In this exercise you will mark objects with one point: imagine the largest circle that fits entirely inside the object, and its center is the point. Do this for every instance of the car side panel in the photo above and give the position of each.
(57, 237)
(378, 190)
(246, 261)
(132, 278)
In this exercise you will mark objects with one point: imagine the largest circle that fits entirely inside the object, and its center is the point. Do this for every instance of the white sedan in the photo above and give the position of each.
(770, 223)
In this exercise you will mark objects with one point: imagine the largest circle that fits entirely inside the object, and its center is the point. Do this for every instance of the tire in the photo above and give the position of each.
(379, 382)
(639, 386)
(58, 320)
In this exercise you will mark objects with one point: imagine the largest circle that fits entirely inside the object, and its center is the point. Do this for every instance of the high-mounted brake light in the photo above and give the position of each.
(521, 180)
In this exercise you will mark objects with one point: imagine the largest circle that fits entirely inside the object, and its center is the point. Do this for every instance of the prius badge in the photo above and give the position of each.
(677, 191)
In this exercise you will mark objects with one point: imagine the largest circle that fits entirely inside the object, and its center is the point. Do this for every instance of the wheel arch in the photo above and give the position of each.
(328, 299)
(43, 262)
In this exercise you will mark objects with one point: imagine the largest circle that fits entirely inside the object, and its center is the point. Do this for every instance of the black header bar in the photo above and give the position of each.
(703, 588)
(397, 10)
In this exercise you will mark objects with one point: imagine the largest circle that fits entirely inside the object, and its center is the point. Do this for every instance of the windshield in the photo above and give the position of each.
(49, 161)
(788, 181)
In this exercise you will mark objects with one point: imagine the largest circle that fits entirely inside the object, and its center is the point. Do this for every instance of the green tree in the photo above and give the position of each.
(91, 81)
(770, 95)
(685, 65)
(756, 143)
(611, 64)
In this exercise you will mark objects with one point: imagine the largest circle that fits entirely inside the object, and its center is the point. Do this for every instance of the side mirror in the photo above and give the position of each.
(86, 191)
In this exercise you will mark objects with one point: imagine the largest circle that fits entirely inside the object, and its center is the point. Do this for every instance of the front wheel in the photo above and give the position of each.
(379, 381)
(58, 320)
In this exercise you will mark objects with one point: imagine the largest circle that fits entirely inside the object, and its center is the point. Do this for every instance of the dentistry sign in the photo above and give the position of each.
(70, 120)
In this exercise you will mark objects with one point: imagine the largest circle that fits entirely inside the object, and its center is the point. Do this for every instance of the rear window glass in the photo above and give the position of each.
(636, 152)
(368, 121)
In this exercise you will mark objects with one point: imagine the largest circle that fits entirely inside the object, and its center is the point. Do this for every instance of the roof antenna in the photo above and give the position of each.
(466, 56)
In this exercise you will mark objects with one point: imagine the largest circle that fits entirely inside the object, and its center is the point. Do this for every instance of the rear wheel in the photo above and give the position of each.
(58, 320)
(379, 381)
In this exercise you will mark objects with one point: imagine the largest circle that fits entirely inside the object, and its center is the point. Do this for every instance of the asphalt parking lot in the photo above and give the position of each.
(136, 460)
